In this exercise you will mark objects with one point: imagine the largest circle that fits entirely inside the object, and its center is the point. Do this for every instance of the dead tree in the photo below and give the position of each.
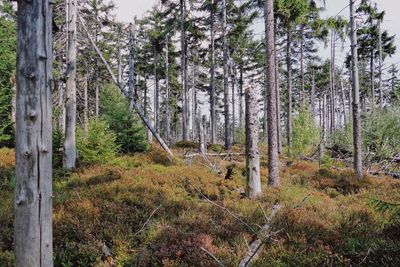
(33, 190)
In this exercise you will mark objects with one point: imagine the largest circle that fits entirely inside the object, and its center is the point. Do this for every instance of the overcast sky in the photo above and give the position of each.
(127, 9)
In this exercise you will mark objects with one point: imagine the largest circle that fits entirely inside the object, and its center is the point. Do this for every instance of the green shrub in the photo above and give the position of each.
(187, 144)
(98, 144)
(305, 135)
(129, 132)
(58, 140)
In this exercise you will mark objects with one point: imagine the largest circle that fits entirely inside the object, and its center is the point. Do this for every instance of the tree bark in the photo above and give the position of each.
(380, 65)
(332, 83)
(85, 104)
(372, 78)
(185, 104)
(233, 79)
(241, 97)
(343, 96)
(273, 153)
(289, 88)
(278, 96)
(227, 136)
(156, 89)
(132, 59)
(167, 107)
(312, 95)
(70, 151)
(253, 188)
(202, 143)
(356, 97)
(213, 113)
(33, 190)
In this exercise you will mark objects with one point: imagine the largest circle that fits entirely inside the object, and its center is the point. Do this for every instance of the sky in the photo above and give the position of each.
(127, 9)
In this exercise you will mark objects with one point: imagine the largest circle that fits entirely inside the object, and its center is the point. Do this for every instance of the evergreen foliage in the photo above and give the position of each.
(306, 136)
(129, 132)
(98, 144)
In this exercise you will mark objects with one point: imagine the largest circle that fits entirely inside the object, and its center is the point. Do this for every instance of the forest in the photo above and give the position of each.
(203, 133)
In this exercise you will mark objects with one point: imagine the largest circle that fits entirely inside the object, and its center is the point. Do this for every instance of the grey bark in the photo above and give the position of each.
(312, 96)
(85, 103)
(132, 65)
(356, 96)
(233, 80)
(372, 78)
(278, 96)
(202, 143)
(185, 101)
(343, 100)
(156, 90)
(271, 91)
(213, 113)
(167, 107)
(33, 189)
(289, 88)
(119, 54)
(241, 97)
(227, 129)
(380, 65)
(70, 151)
(253, 185)
(332, 83)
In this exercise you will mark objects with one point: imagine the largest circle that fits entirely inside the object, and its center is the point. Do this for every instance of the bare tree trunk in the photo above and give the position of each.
(381, 104)
(61, 104)
(96, 37)
(119, 55)
(253, 188)
(372, 78)
(241, 97)
(132, 77)
(289, 88)
(194, 99)
(33, 190)
(227, 136)
(156, 90)
(202, 143)
(167, 107)
(312, 95)
(302, 82)
(265, 106)
(213, 113)
(85, 104)
(356, 97)
(332, 83)
(278, 96)
(233, 76)
(185, 109)
(343, 101)
(271, 90)
(70, 151)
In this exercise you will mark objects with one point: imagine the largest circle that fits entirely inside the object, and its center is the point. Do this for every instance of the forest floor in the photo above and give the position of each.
(153, 212)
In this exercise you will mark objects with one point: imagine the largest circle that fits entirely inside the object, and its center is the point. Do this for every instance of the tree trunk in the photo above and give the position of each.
(289, 88)
(96, 37)
(194, 99)
(202, 143)
(213, 113)
(372, 79)
(156, 90)
(312, 95)
(356, 97)
(265, 106)
(185, 104)
(270, 72)
(132, 77)
(343, 102)
(381, 104)
(302, 82)
(33, 190)
(278, 96)
(167, 106)
(70, 152)
(227, 136)
(85, 104)
(233, 78)
(332, 83)
(119, 55)
(253, 188)
(241, 97)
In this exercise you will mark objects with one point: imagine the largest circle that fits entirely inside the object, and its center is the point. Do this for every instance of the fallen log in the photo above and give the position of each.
(256, 245)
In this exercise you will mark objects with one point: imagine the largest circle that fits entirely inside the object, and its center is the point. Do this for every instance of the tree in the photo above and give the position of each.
(33, 190)
(253, 188)
(227, 130)
(356, 96)
(70, 151)
(7, 73)
(273, 155)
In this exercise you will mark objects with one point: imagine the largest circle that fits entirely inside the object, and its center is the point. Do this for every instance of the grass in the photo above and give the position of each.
(326, 219)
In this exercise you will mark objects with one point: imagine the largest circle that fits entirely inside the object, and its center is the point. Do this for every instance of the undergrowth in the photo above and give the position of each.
(151, 211)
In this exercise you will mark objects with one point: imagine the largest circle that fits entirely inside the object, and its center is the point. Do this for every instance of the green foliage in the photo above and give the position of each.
(58, 141)
(305, 135)
(186, 144)
(130, 134)
(383, 206)
(98, 144)
(7, 73)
